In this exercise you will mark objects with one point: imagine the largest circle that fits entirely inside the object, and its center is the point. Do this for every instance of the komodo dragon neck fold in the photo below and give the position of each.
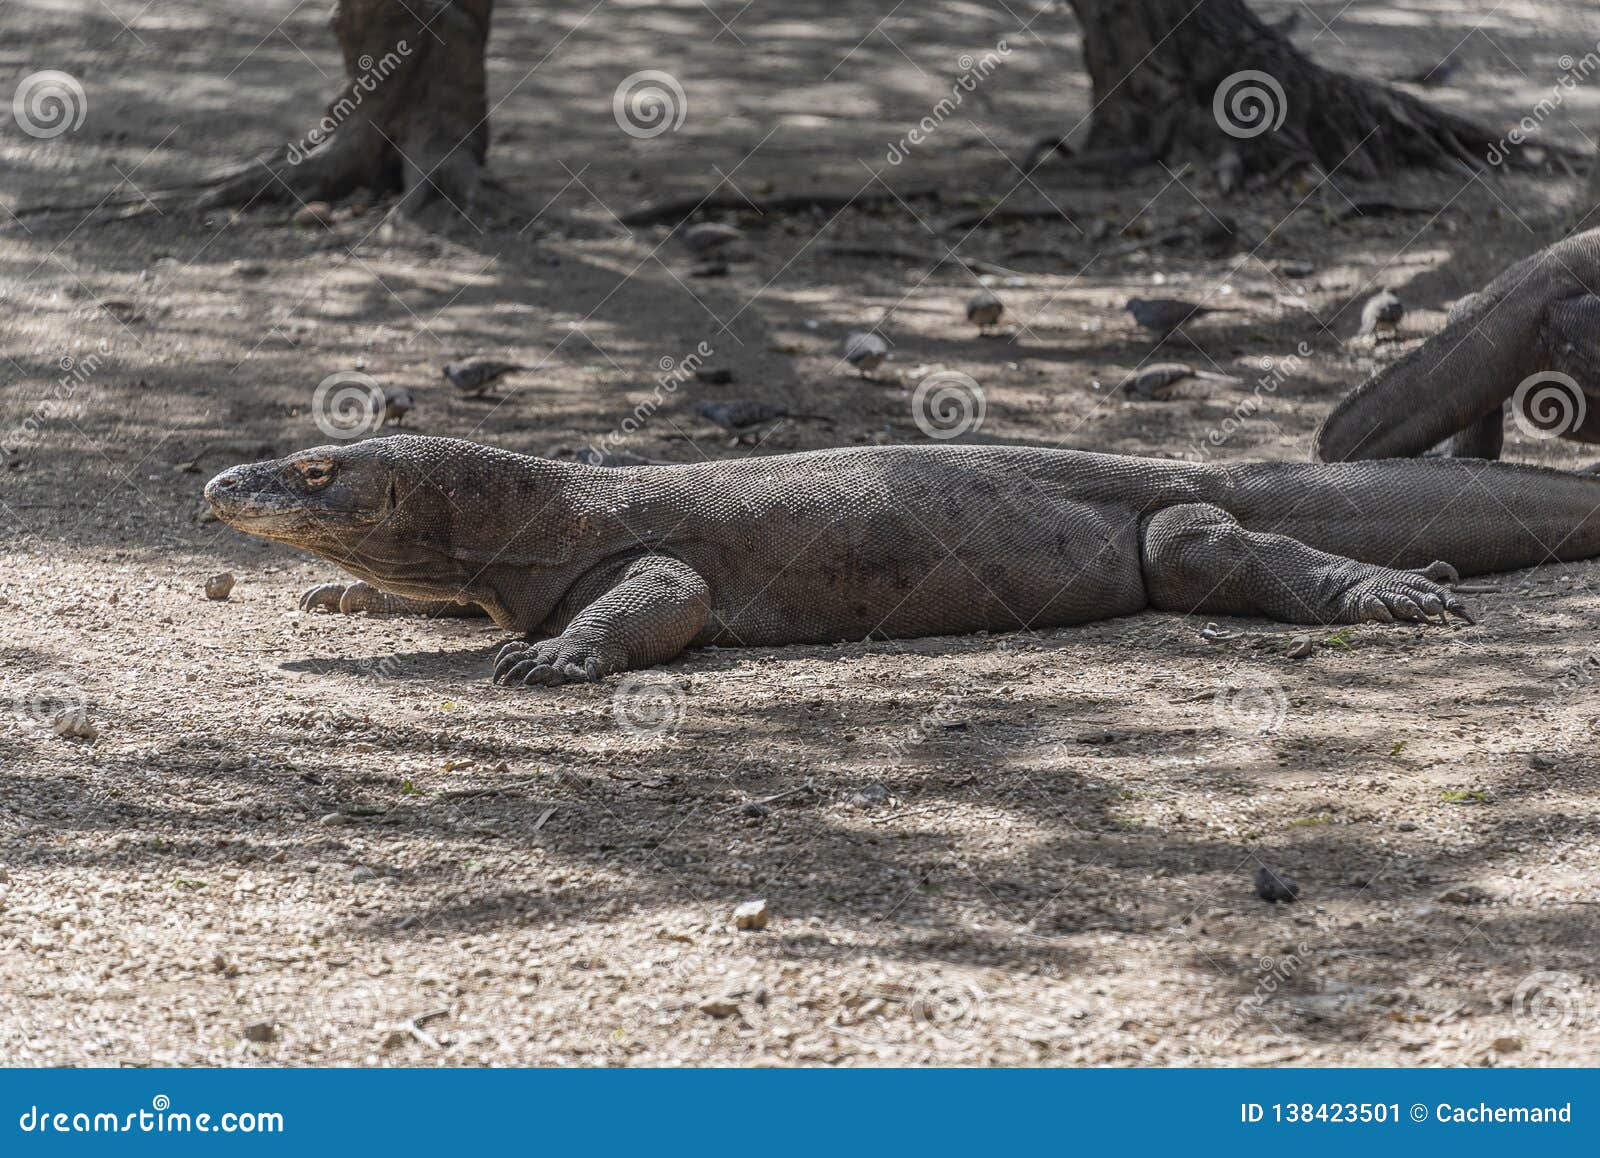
(608, 569)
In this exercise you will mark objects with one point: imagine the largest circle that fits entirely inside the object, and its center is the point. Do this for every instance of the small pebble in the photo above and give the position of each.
(1276, 887)
(1506, 1044)
(868, 796)
(314, 213)
(709, 269)
(74, 726)
(1300, 647)
(333, 818)
(250, 269)
(260, 1031)
(719, 1006)
(751, 915)
(714, 375)
(220, 586)
(362, 873)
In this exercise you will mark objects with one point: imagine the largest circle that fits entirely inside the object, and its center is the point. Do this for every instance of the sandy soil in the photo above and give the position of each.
(282, 838)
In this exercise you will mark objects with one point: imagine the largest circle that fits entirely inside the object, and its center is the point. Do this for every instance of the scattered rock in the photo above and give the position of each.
(250, 269)
(1276, 887)
(714, 375)
(868, 796)
(1300, 647)
(1506, 1044)
(751, 915)
(1539, 763)
(1100, 737)
(395, 1038)
(219, 586)
(260, 1031)
(709, 236)
(362, 873)
(1464, 895)
(709, 269)
(719, 1006)
(756, 809)
(314, 213)
(1406, 826)
(333, 818)
(74, 725)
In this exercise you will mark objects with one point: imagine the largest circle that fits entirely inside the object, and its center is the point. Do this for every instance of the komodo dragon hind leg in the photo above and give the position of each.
(644, 614)
(353, 598)
(1197, 557)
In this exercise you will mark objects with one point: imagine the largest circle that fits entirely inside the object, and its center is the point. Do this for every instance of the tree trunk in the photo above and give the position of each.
(1206, 77)
(411, 117)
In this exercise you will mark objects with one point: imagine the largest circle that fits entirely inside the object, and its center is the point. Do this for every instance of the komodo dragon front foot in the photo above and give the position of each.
(354, 598)
(630, 614)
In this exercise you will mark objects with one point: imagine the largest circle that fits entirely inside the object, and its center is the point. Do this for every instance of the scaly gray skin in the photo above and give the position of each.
(609, 569)
(1540, 315)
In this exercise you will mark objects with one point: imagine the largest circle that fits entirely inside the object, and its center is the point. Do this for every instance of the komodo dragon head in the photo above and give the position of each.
(426, 517)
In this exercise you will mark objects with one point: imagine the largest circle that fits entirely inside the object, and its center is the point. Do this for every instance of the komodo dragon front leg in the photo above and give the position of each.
(634, 614)
(1196, 557)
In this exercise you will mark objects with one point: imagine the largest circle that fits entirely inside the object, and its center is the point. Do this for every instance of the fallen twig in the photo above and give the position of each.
(808, 786)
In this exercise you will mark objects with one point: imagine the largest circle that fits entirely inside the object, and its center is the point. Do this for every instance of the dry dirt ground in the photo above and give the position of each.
(282, 838)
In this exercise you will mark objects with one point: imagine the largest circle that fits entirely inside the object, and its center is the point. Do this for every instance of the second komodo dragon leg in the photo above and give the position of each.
(644, 612)
(1197, 557)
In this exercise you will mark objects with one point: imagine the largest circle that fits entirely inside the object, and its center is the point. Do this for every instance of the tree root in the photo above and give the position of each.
(680, 209)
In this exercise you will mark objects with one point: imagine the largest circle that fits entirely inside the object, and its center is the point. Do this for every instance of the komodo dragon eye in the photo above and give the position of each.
(315, 473)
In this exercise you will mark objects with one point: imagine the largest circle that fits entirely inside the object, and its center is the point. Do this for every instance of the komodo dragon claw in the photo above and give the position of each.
(547, 662)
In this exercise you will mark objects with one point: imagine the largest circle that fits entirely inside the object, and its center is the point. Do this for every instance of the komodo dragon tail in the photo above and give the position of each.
(1478, 516)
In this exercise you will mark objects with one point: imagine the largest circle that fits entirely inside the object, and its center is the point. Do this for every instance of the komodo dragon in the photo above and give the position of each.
(1538, 316)
(607, 569)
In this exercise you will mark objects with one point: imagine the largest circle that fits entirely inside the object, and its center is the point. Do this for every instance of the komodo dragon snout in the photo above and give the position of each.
(603, 569)
(314, 495)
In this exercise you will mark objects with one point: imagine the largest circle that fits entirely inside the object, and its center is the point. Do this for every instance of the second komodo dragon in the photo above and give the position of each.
(607, 569)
